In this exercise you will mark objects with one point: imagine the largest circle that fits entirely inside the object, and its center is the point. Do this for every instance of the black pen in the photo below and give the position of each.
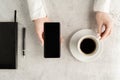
(23, 41)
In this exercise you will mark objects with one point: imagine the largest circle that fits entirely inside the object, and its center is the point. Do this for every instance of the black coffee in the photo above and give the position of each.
(88, 46)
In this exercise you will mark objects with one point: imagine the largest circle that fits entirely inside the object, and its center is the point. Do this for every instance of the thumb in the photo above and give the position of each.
(41, 39)
(42, 42)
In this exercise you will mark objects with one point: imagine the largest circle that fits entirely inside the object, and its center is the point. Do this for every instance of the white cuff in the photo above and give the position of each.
(102, 5)
(40, 13)
(36, 9)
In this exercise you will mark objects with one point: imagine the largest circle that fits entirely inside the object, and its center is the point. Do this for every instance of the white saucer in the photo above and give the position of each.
(73, 48)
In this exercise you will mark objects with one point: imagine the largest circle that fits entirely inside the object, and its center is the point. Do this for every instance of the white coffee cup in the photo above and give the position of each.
(92, 37)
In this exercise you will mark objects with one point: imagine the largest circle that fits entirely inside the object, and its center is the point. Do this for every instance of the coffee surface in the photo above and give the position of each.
(88, 46)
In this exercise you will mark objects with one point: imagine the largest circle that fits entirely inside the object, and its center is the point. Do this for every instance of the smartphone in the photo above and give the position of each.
(52, 40)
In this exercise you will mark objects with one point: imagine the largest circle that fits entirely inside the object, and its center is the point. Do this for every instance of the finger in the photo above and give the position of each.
(61, 39)
(41, 39)
(42, 42)
(110, 29)
(99, 29)
(106, 32)
(110, 32)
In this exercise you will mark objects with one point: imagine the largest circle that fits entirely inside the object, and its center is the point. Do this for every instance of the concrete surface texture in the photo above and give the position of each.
(73, 15)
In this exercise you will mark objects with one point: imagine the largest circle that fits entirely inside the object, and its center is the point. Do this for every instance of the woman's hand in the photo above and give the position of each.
(39, 26)
(103, 20)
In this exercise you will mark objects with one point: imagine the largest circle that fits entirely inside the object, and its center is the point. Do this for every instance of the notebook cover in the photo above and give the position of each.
(8, 45)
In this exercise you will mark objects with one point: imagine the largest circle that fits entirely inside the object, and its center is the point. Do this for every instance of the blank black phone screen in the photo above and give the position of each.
(52, 40)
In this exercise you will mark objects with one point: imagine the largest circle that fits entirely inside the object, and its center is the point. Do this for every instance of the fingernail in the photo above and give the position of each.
(99, 37)
(98, 34)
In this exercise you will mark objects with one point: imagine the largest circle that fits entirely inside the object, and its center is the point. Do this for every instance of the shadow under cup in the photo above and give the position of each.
(88, 45)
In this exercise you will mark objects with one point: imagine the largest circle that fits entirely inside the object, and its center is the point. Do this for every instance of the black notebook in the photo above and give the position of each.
(8, 45)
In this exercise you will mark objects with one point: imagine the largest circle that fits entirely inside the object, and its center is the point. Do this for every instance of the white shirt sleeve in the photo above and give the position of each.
(102, 5)
(36, 9)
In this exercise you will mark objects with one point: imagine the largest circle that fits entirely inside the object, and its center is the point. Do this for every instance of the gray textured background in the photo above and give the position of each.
(73, 15)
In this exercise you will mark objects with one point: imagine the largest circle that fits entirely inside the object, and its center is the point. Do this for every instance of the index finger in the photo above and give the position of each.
(106, 32)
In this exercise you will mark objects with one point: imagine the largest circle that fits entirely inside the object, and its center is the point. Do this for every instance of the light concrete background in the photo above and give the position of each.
(73, 15)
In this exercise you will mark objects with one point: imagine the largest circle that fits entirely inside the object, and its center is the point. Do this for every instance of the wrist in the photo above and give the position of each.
(99, 12)
(39, 19)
